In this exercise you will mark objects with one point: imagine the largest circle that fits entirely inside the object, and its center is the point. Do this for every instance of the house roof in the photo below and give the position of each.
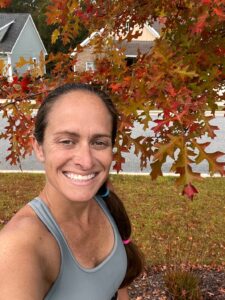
(11, 26)
(132, 48)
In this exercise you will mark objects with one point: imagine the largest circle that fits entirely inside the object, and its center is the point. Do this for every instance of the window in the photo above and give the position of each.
(90, 66)
(127, 26)
(131, 60)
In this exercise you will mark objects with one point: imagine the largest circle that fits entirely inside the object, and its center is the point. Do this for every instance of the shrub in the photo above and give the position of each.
(182, 285)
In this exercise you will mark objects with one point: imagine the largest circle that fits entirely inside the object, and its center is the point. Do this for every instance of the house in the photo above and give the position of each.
(19, 38)
(142, 44)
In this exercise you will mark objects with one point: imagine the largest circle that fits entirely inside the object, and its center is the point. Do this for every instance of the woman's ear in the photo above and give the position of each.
(38, 150)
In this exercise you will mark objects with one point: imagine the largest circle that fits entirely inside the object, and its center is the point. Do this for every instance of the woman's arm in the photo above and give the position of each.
(21, 273)
(123, 294)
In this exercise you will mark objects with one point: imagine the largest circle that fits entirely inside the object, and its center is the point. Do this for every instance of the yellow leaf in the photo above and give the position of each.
(55, 36)
(2, 65)
(21, 62)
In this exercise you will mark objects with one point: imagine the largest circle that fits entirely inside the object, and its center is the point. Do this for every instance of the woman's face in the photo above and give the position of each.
(77, 147)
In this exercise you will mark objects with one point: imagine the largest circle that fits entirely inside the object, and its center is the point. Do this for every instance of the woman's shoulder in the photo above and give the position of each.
(25, 261)
(24, 223)
(25, 230)
(26, 236)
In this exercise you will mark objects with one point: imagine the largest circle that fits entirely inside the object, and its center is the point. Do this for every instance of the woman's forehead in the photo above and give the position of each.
(80, 110)
(80, 98)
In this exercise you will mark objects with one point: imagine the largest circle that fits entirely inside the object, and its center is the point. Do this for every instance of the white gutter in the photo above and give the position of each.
(10, 78)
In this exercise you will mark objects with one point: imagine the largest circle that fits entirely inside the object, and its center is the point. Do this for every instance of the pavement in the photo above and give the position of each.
(132, 164)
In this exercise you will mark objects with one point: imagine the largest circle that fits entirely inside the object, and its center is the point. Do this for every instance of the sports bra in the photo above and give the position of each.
(75, 282)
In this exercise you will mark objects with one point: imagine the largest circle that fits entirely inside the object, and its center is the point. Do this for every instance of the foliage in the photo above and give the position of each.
(180, 76)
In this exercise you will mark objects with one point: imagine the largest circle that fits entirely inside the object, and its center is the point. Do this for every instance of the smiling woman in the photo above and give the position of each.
(73, 240)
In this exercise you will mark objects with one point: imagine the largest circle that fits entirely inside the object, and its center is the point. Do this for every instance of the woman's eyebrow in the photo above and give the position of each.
(100, 135)
(75, 134)
(66, 132)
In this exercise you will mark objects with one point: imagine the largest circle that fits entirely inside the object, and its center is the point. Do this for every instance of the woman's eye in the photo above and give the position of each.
(66, 142)
(101, 144)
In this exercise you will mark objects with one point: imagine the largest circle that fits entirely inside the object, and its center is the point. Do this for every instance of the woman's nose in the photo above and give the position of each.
(83, 156)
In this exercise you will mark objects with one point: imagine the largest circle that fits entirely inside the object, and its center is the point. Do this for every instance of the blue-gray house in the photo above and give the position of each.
(19, 38)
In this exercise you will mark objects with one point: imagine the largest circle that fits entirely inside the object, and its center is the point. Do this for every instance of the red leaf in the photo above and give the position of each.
(189, 191)
(115, 86)
(4, 3)
(170, 89)
(199, 26)
(219, 12)
(220, 51)
(24, 84)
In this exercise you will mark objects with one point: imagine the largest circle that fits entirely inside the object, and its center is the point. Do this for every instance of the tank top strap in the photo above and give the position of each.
(46, 217)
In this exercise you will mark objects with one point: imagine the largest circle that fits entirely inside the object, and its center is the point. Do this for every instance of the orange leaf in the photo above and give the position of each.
(2, 65)
(115, 86)
(4, 3)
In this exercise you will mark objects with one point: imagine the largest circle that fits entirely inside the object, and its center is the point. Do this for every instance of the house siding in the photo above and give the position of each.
(27, 46)
(146, 36)
(85, 56)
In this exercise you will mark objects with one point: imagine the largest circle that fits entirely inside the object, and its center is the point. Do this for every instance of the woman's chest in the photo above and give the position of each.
(90, 245)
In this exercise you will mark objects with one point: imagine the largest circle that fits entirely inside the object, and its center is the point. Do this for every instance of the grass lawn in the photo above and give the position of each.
(168, 227)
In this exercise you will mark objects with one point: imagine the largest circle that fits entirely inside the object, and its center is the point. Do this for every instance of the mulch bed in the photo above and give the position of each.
(150, 285)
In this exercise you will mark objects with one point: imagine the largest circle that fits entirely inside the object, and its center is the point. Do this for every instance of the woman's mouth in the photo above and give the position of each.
(79, 177)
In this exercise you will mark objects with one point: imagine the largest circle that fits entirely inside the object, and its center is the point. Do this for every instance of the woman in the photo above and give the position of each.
(73, 240)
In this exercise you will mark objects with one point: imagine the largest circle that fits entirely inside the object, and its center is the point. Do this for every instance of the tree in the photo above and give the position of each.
(180, 76)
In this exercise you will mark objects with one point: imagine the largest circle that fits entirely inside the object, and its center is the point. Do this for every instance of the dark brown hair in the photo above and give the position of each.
(115, 205)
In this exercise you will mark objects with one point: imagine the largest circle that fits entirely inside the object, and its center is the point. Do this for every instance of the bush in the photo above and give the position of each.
(182, 285)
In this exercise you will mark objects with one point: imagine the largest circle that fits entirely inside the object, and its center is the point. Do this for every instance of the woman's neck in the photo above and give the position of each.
(65, 210)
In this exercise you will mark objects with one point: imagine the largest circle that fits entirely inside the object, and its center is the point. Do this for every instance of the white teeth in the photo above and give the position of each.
(80, 177)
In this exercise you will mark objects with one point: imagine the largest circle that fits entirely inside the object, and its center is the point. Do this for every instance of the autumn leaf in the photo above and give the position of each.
(4, 3)
(184, 72)
(201, 23)
(156, 168)
(189, 190)
(211, 158)
(119, 161)
(219, 12)
(55, 36)
(2, 66)
(170, 89)
(22, 62)
(206, 1)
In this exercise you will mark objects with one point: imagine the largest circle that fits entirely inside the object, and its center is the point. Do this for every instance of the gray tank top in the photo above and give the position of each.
(75, 282)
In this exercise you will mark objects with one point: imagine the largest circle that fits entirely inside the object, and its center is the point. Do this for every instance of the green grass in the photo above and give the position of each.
(168, 227)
